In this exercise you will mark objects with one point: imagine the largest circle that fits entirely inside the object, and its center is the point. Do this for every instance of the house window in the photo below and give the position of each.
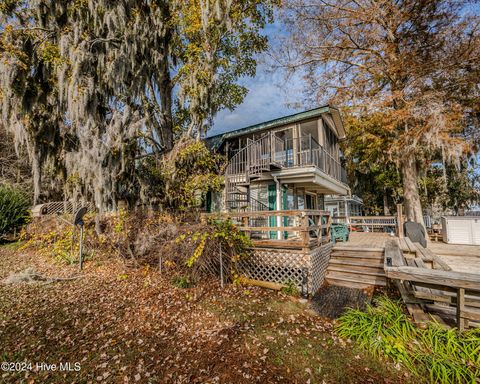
(331, 142)
(321, 202)
(259, 196)
(290, 200)
(300, 199)
(309, 128)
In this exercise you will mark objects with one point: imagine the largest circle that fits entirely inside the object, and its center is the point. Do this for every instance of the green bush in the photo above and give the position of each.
(182, 282)
(290, 289)
(436, 354)
(14, 208)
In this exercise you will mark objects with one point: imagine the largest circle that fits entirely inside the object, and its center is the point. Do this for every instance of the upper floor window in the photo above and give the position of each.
(330, 141)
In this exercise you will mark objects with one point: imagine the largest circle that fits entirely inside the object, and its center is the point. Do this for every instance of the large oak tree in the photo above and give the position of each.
(88, 86)
(414, 63)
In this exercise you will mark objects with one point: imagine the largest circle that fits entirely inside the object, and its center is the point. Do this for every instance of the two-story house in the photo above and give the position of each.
(288, 163)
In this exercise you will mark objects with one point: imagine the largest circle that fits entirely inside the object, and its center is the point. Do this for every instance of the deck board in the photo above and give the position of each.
(366, 240)
(461, 258)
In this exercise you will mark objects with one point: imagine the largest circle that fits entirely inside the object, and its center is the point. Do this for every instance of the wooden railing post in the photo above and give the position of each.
(305, 232)
(460, 309)
(245, 224)
(400, 232)
(328, 226)
(310, 144)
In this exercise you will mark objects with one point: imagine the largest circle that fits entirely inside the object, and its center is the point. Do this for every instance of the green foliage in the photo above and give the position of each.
(60, 243)
(158, 72)
(180, 180)
(199, 249)
(218, 233)
(290, 289)
(182, 282)
(14, 208)
(227, 43)
(440, 354)
(231, 238)
(453, 188)
(371, 170)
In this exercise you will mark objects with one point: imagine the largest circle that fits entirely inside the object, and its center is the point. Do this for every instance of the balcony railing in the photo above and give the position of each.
(306, 151)
(270, 150)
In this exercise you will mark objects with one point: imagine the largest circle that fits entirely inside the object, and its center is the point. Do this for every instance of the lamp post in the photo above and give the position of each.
(78, 221)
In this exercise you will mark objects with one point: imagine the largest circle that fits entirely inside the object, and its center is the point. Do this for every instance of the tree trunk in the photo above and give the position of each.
(413, 207)
(386, 209)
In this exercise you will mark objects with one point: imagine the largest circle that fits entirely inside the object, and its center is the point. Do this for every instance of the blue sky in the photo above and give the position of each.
(268, 96)
(264, 101)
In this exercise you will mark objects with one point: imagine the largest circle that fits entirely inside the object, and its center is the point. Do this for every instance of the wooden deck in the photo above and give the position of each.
(442, 280)
(358, 263)
(366, 240)
(461, 258)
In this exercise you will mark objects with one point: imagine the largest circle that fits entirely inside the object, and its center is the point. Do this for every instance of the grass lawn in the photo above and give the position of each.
(127, 326)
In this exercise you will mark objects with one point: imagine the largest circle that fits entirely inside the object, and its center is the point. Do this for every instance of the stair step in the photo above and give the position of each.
(348, 283)
(371, 263)
(373, 251)
(365, 272)
(359, 255)
(359, 278)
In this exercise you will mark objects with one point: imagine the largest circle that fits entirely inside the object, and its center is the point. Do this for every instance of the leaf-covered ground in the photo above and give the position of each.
(133, 326)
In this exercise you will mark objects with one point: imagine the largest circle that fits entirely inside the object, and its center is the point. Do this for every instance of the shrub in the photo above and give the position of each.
(182, 282)
(438, 354)
(14, 208)
(290, 289)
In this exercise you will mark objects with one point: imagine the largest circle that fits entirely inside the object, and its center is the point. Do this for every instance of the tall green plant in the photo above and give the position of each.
(441, 355)
(14, 206)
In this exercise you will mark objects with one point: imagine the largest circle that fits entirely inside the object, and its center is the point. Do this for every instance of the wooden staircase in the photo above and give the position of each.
(356, 267)
(249, 164)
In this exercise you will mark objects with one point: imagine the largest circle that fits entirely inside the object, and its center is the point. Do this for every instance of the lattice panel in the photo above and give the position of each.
(280, 266)
(319, 258)
(277, 266)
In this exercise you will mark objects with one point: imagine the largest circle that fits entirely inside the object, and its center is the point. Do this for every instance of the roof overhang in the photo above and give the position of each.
(330, 114)
(312, 178)
(352, 198)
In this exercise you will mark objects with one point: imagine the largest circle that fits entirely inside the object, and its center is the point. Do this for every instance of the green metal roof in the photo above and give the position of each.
(216, 141)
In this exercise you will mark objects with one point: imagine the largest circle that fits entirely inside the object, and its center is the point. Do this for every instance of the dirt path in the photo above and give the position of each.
(134, 327)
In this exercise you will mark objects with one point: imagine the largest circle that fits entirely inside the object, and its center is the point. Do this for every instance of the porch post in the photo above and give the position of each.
(400, 232)
(279, 206)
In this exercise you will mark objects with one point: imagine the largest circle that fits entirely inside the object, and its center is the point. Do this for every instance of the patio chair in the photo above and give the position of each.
(339, 232)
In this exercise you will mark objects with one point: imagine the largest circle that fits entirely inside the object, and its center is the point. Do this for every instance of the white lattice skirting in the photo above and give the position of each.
(306, 269)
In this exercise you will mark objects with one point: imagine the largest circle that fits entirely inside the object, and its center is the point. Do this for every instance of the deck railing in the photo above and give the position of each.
(424, 287)
(293, 229)
(369, 223)
(271, 150)
(305, 151)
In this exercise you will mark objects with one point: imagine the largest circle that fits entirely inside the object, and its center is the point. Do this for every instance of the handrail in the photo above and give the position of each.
(370, 222)
(305, 150)
(285, 212)
(269, 150)
(282, 228)
(263, 206)
(429, 286)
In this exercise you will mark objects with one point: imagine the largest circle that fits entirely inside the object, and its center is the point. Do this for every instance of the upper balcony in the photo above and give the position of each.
(293, 160)
(306, 151)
